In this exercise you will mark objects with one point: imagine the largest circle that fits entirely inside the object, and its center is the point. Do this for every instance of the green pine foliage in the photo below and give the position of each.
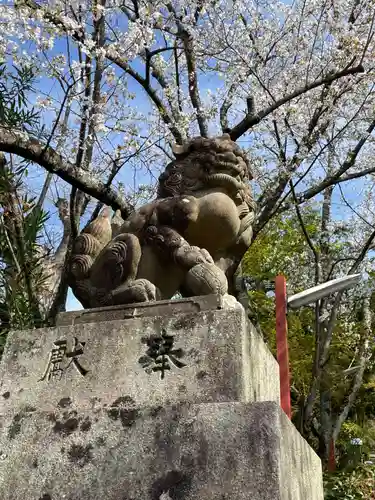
(15, 111)
(21, 219)
(22, 272)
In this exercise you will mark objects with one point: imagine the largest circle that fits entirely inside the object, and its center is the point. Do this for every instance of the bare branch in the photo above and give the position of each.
(305, 232)
(354, 210)
(364, 355)
(60, 141)
(188, 43)
(251, 120)
(348, 163)
(31, 149)
(332, 320)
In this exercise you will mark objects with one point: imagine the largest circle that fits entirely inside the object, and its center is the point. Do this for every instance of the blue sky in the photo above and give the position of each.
(72, 304)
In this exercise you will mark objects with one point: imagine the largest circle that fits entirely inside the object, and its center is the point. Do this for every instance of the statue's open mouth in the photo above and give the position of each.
(224, 180)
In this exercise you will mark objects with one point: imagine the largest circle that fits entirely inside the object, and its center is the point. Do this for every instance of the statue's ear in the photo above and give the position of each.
(180, 149)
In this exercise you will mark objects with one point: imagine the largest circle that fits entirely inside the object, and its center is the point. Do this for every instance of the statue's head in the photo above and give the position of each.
(203, 164)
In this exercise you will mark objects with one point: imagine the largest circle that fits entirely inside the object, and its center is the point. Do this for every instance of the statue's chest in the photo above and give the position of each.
(217, 225)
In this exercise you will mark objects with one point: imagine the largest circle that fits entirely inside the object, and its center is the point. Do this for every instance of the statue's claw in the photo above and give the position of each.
(204, 279)
(189, 256)
(140, 290)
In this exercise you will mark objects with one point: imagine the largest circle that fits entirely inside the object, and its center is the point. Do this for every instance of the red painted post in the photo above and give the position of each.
(282, 343)
(332, 459)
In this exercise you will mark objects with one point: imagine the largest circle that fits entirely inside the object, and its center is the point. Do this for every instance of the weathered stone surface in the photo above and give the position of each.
(211, 451)
(123, 432)
(223, 360)
(158, 308)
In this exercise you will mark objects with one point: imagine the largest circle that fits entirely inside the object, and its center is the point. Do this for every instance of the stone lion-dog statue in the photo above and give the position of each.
(190, 239)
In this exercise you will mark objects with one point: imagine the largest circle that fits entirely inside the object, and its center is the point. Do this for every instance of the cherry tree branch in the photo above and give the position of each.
(227, 103)
(273, 202)
(356, 175)
(347, 164)
(33, 150)
(305, 196)
(74, 29)
(191, 64)
(151, 68)
(253, 119)
(270, 202)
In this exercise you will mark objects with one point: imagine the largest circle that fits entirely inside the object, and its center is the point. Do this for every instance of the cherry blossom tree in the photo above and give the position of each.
(291, 81)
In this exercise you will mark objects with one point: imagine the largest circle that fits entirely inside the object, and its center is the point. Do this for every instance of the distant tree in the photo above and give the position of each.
(331, 343)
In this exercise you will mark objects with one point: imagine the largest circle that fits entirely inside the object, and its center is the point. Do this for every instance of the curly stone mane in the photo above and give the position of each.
(202, 162)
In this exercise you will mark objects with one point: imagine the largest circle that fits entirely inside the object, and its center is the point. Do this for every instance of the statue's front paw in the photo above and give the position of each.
(189, 256)
(143, 289)
(206, 278)
(140, 290)
(203, 254)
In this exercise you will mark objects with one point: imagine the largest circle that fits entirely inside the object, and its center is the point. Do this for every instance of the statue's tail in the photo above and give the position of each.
(86, 248)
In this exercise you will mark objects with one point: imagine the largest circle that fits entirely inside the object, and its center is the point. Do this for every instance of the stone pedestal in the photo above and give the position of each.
(178, 401)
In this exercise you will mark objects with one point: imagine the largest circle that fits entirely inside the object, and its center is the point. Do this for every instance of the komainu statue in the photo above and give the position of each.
(190, 239)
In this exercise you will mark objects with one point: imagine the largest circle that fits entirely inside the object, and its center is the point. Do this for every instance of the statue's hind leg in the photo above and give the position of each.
(86, 249)
(114, 273)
